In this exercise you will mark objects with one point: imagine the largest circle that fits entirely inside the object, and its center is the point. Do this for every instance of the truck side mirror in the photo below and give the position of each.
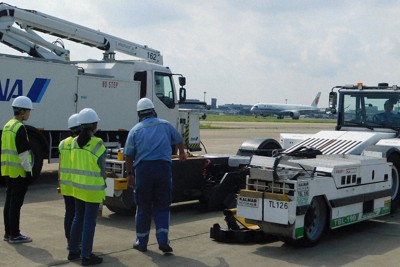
(182, 94)
(182, 81)
(332, 102)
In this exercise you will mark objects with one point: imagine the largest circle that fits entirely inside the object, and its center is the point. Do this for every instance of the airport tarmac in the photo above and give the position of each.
(371, 243)
(227, 137)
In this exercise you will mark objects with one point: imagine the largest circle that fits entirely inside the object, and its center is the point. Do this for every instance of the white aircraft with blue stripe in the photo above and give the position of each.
(281, 110)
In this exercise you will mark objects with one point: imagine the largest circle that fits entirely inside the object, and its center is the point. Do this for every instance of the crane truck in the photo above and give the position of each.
(59, 87)
(332, 178)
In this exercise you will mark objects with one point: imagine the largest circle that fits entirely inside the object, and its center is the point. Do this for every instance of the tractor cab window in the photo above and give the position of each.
(375, 110)
(163, 88)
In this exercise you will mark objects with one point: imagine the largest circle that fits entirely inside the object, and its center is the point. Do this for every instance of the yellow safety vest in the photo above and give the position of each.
(66, 185)
(88, 183)
(10, 161)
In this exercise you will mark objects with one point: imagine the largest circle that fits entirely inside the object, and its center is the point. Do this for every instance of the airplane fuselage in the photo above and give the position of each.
(281, 110)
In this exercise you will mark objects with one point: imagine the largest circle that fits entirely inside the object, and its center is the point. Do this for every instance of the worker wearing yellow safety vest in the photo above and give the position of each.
(16, 167)
(64, 173)
(88, 174)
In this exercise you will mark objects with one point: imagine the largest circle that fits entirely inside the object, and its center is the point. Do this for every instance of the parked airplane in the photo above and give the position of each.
(281, 110)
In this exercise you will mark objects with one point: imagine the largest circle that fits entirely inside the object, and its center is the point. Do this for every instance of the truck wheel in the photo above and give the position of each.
(122, 211)
(395, 159)
(37, 158)
(315, 222)
(123, 204)
(258, 146)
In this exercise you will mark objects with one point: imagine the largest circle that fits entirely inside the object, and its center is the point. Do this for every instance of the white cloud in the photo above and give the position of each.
(250, 51)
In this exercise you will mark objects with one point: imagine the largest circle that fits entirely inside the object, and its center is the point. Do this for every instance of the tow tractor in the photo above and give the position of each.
(330, 179)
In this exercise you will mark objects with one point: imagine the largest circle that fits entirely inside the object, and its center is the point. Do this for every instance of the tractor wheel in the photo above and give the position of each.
(395, 159)
(122, 204)
(315, 222)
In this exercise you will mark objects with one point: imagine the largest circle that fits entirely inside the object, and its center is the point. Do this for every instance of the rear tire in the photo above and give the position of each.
(122, 211)
(258, 146)
(122, 204)
(395, 159)
(315, 222)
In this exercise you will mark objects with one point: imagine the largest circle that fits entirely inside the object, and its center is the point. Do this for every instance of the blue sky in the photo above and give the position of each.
(250, 51)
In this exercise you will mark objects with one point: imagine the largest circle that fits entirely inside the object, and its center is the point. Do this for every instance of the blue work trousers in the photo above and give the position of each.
(84, 225)
(153, 189)
(69, 215)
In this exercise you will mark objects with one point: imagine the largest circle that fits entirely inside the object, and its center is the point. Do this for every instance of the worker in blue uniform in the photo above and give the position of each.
(148, 151)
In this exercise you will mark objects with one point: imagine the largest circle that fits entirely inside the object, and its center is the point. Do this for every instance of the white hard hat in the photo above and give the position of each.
(22, 102)
(144, 104)
(87, 116)
(73, 121)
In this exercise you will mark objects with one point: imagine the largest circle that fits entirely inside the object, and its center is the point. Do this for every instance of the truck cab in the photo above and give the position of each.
(367, 108)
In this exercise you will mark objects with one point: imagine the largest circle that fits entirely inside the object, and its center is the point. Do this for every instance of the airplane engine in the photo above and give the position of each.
(295, 115)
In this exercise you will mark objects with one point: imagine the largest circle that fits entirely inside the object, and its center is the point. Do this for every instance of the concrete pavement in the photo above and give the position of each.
(371, 243)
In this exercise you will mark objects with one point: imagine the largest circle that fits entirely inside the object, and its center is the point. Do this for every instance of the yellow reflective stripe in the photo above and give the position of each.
(9, 151)
(82, 186)
(87, 181)
(65, 162)
(97, 147)
(62, 145)
(14, 124)
(10, 163)
(74, 143)
(94, 150)
(81, 172)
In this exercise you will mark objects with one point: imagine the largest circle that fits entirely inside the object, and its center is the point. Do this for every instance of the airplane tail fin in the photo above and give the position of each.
(316, 100)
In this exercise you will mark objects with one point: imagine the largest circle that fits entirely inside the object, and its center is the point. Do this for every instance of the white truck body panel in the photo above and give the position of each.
(112, 99)
(289, 139)
(20, 76)
(192, 131)
(342, 142)
(267, 210)
(54, 101)
(391, 142)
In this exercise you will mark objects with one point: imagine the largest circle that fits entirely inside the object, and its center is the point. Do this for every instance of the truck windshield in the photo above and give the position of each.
(371, 109)
(164, 89)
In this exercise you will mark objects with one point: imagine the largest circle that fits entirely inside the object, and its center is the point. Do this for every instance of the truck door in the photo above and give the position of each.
(164, 96)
